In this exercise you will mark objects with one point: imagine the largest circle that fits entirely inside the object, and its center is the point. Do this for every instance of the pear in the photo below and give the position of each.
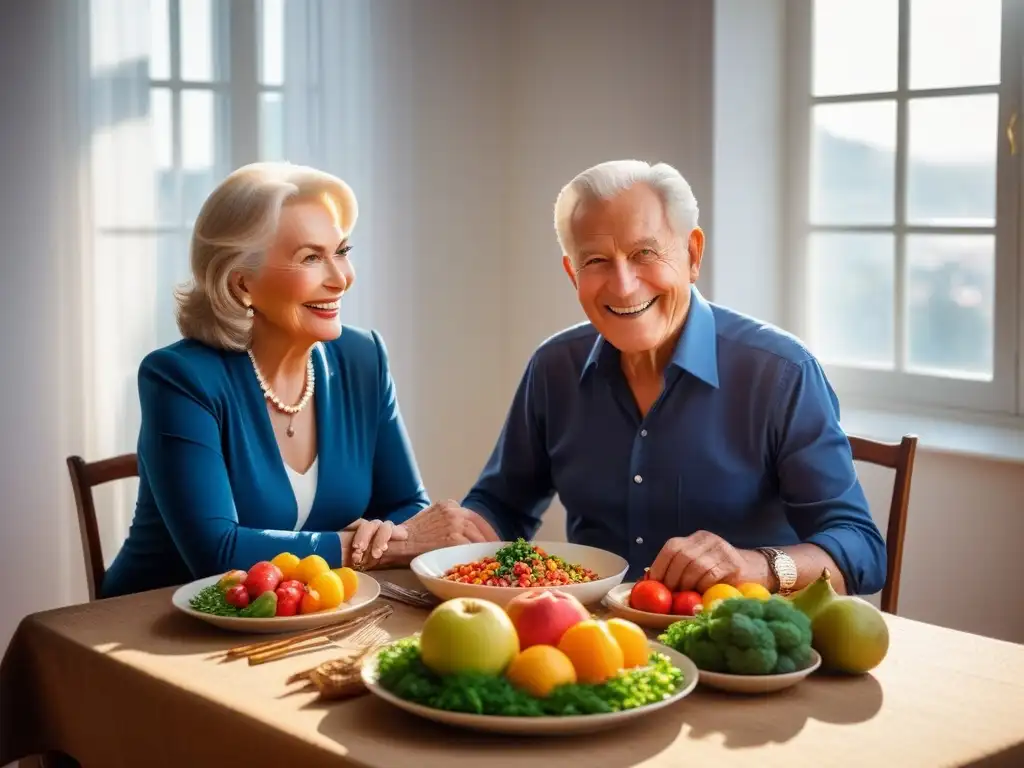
(815, 596)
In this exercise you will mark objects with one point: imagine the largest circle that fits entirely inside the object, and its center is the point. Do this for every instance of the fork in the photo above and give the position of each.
(414, 597)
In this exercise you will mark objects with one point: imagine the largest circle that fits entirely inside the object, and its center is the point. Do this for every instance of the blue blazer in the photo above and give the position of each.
(214, 493)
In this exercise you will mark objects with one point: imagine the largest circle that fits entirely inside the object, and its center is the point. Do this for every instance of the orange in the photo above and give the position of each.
(632, 640)
(288, 563)
(593, 651)
(349, 579)
(310, 602)
(718, 592)
(540, 669)
(752, 589)
(331, 590)
(310, 567)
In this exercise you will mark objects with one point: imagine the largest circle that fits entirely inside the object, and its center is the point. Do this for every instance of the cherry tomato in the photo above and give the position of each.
(650, 596)
(685, 603)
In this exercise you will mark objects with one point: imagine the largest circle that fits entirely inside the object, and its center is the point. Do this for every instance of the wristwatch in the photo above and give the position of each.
(783, 568)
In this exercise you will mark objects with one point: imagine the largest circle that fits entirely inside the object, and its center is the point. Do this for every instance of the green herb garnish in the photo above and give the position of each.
(211, 600)
(401, 672)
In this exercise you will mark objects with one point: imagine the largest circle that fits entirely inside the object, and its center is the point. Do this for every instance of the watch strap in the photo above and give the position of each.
(783, 568)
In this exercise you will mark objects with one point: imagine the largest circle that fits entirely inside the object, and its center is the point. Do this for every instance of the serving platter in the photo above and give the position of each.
(537, 726)
(367, 591)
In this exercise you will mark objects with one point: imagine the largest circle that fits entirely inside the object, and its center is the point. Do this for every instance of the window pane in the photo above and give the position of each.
(954, 43)
(271, 126)
(855, 43)
(271, 42)
(852, 296)
(197, 40)
(853, 163)
(159, 40)
(162, 119)
(951, 171)
(198, 148)
(951, 302)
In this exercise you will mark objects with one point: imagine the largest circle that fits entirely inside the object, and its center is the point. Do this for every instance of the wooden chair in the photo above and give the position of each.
(84, 477)
(900, 457)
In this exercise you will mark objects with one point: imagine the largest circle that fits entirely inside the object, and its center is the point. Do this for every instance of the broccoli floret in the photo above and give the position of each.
(751, 661)
(745, 636)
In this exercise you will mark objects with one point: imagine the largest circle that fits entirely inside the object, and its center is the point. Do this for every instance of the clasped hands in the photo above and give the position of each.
(381, 543)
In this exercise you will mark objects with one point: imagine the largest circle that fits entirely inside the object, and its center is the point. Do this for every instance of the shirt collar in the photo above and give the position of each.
(696, 352)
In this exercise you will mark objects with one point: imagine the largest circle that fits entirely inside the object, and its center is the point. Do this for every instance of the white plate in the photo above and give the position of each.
(758, 683)
(540, 726)
(431, 566)
(617, 601)
(367, 591)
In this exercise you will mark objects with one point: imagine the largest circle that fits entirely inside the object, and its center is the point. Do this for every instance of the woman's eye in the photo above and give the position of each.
(343, 252)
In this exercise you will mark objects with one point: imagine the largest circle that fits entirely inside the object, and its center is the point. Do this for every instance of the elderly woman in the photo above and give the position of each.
(269, 427)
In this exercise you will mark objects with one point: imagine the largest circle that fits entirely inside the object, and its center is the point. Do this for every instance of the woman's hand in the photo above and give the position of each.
(368, 541)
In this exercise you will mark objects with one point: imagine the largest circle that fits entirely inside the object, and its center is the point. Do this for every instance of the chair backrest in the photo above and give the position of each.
(900, 457)
(84, 477)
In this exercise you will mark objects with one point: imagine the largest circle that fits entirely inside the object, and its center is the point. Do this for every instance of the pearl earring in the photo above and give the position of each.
(248, 307)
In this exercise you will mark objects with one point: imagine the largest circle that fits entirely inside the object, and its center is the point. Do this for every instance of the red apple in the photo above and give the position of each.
(685, 603)
(262, 577)
(542, 617)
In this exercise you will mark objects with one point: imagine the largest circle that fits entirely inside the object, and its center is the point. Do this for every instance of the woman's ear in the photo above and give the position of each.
(240, 292)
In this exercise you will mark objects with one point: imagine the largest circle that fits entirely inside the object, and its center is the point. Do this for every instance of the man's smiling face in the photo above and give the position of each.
(632, 272)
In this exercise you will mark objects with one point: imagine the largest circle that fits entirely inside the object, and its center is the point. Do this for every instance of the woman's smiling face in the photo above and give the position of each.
(632, 272)
(305, 271)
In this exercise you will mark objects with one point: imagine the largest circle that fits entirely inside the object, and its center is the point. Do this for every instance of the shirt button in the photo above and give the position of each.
(643, 433)
(639, 539)
(637, 479)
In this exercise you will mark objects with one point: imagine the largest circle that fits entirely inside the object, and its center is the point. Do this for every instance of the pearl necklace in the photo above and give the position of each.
(274, 400)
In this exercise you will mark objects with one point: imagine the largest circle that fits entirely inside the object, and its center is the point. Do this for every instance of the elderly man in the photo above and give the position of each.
(677, 433)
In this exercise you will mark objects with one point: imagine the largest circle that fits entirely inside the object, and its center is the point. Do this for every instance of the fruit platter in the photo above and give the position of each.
(539, 665)
(501, 571)
(652, 604)
(284, 594)
(765, 643)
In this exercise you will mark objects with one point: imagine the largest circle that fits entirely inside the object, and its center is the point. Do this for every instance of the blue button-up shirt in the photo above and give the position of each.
(744, 442)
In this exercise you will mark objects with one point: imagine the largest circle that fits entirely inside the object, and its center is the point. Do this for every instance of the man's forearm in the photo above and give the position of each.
(810, 560)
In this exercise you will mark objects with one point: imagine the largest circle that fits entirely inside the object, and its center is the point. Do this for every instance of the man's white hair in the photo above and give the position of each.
(605, 180)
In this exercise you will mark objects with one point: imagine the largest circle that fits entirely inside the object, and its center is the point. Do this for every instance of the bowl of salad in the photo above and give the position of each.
(499, 571)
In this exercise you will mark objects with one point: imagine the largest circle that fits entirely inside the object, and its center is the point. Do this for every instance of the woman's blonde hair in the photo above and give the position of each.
(235, 226)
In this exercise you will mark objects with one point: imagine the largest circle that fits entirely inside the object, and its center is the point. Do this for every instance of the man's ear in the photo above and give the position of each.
(569, 269)
(696, 249)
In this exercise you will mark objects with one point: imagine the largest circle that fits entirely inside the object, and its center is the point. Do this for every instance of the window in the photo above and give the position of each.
(905, 166)
(178, 93)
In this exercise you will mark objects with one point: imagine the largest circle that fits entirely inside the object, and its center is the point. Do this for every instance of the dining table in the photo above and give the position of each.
(133, 681)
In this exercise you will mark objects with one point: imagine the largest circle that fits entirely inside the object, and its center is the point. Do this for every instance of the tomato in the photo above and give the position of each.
(237, 596)
(288, 599)
(685, 603)
(262, 577)
(650, 596)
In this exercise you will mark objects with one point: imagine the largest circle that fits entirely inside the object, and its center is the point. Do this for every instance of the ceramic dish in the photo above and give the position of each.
(758, 683)
(537, 726)
(430, 567)
(617, 601)
(367, 591)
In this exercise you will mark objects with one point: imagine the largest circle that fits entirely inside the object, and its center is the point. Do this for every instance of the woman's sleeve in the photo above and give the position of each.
(180, 454)
(398, 490)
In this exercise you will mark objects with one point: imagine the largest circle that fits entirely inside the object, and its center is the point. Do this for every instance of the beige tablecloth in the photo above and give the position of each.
(131, 682)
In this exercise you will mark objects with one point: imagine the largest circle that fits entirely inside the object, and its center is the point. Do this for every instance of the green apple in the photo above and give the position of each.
(468, 635)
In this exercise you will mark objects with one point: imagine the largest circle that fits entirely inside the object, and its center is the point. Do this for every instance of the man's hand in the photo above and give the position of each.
(442, 524)
(700, 561)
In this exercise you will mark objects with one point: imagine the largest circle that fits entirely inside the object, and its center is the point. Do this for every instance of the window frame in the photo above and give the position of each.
(1003, 396)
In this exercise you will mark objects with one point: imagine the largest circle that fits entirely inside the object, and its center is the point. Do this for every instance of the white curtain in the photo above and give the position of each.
(180, 92)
